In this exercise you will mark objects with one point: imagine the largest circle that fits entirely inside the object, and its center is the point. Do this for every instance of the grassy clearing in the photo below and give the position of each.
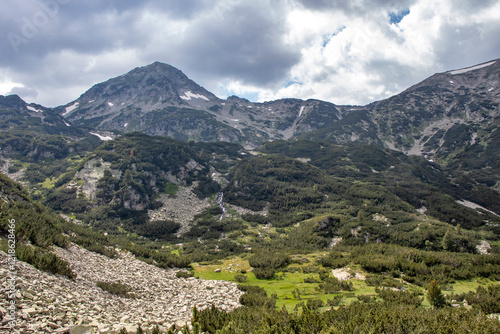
(290, 289)
(49, 183)
(171, 189)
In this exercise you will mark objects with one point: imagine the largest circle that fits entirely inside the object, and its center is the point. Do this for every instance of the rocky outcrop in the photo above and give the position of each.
(484, 247)
(180, 208)
(16, 176)
(92, 171)
(50, 303)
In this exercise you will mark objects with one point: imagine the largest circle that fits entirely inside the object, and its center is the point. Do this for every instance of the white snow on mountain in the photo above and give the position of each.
(101, 137)
(467, 69)
(71, 108)
(33, 109)
(189, 95)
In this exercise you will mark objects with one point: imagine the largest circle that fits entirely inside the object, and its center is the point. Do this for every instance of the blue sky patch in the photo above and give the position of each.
(396, 17)
(327, 38)
(288, 83)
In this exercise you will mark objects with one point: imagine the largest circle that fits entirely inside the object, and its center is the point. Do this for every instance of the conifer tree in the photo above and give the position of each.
(434, 295)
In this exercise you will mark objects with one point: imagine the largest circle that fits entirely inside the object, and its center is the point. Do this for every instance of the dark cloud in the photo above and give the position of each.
(246, 43)
(26, 92)
(467, 45)
(49, 26)
(183, 9)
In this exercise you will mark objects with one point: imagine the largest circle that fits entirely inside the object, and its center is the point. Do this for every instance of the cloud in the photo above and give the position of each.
(371, 59)
(358, 7)
(243, 41)
(346, 52)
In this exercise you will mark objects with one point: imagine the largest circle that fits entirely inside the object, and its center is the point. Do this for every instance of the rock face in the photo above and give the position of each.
(49, 303)
(91, 172)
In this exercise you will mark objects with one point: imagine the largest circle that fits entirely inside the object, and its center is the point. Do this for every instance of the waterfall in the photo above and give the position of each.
(221, 205)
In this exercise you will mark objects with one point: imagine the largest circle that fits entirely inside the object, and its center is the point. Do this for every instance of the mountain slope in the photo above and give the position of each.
(31, 132)
(159, 99)
(434, 118)
(426, 118)
(451, 118)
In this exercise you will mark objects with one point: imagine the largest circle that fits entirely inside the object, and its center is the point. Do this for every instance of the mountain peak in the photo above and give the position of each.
(12, 101)
(143, 89)
(158, 68)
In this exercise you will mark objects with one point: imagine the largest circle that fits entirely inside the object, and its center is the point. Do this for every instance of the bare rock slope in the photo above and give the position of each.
(50, 303)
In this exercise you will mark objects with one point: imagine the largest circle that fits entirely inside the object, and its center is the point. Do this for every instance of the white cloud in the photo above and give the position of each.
(369, 59)
(7, 85)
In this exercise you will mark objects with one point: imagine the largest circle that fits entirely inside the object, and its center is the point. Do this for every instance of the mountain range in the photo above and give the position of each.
(158, 99)
(401, 192)
(448, 115)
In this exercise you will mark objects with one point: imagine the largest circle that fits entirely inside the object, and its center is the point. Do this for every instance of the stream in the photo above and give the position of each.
(221, 205)
(220, 202)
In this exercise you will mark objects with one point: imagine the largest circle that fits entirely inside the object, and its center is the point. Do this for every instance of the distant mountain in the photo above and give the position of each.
(33, 132)
(422, 119)
(442, 113)
(425, 119)
(15, 112)
(451, 118)
(159, 99)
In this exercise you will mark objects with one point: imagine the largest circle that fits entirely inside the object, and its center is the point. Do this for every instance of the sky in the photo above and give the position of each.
(345, 52)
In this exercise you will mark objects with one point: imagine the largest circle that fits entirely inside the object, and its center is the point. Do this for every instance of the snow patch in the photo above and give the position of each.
(104, 138)
(467, 69)
(110, 104)
(190, 95)
(451, 81)
(475, 206)
(91, 101)
(71, 108)
(125, 125)
(301, 110)
(491, 89)
(33, 109)
(67, 124)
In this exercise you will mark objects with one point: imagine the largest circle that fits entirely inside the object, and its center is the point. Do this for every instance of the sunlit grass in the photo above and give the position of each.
(49, 183)
(290, 289)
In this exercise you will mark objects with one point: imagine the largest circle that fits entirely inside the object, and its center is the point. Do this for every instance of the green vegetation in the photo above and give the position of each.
(361, 198)
(357, 317)
(485, 299)
(35, 228)
(170, 188)
(434, 295)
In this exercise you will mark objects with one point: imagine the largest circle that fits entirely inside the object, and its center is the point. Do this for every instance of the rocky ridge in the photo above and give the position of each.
(50, 303)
